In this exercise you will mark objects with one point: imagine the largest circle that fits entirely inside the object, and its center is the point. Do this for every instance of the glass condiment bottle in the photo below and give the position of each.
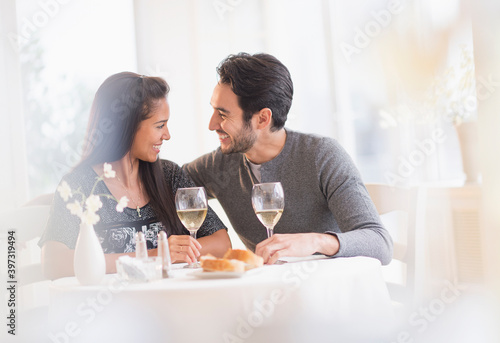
(141, 250)
(164, 253)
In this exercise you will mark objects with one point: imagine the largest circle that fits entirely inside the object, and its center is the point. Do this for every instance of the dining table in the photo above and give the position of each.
(313, 299)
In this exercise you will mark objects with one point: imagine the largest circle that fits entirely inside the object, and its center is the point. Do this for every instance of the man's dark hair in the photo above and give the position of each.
(260, 81)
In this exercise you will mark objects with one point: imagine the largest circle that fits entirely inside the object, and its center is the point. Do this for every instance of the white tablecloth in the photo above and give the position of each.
(334, 300)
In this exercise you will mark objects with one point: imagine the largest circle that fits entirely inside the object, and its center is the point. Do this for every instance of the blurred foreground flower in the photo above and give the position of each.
(453, 93)
(86, 209)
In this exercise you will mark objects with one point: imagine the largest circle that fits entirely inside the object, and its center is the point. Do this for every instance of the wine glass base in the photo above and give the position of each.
(193, 266)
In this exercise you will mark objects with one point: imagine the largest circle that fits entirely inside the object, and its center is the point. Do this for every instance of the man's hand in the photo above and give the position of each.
(296, 245)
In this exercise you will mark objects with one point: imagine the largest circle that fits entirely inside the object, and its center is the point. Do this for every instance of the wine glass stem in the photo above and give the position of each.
(270, 231)
(195, 264)
(193, 233)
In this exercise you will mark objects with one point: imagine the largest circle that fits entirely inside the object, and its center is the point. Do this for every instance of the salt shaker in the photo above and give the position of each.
(164, 253)
(141, 250)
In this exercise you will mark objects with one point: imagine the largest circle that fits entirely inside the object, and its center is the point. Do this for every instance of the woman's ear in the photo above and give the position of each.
(264, 118)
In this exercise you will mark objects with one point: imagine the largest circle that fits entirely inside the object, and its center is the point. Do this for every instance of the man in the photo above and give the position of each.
(327, 208)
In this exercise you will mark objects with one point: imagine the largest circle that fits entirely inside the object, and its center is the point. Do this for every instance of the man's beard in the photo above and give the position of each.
(241, 143)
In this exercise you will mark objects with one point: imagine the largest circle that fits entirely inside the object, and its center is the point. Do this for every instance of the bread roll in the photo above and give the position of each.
(249, 258)
(211, 264)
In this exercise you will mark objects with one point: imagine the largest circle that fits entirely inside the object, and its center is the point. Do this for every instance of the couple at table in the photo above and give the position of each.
(328, 209)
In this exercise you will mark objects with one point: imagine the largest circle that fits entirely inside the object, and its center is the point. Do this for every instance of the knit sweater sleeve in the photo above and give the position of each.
(362, 232)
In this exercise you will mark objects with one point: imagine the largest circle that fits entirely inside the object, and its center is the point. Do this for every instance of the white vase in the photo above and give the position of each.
(89, 263)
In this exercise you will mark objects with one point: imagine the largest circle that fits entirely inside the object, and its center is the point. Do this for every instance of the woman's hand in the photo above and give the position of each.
(183, 248)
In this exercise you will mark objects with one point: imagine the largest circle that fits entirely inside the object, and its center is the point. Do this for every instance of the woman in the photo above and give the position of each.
(127, 126)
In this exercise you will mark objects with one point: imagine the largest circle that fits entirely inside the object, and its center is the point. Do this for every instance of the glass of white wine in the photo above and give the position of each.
(191, 206)
(268, 203)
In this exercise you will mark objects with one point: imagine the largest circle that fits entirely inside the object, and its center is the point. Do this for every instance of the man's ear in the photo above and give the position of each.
(264, 118)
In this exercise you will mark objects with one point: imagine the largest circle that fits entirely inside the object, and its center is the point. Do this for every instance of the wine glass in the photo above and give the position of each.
(191, 206)
(268, 203)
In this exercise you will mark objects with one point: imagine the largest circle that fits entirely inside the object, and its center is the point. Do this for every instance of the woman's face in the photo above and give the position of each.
(151, 133)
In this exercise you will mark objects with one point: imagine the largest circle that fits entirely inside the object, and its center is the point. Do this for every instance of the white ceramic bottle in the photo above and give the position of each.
(89, 262)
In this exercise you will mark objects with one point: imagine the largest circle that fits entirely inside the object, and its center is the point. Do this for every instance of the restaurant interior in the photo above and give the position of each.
(410, 89)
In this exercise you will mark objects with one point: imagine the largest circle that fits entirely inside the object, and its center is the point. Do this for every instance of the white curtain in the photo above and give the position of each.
(13, 176)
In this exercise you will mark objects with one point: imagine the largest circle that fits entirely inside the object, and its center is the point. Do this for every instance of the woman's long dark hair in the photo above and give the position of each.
(121, 103)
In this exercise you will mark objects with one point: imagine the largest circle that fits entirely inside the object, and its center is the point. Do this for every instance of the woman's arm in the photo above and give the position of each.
(216, 244)
(57, 260)
(183, 248)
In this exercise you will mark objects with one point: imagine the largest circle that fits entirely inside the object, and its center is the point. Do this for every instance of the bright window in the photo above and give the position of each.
(68, 49)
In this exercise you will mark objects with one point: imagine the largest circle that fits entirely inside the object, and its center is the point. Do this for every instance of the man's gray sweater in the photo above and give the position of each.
(323, 193)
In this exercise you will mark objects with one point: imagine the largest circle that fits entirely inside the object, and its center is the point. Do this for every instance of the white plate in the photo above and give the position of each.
(216, 275)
